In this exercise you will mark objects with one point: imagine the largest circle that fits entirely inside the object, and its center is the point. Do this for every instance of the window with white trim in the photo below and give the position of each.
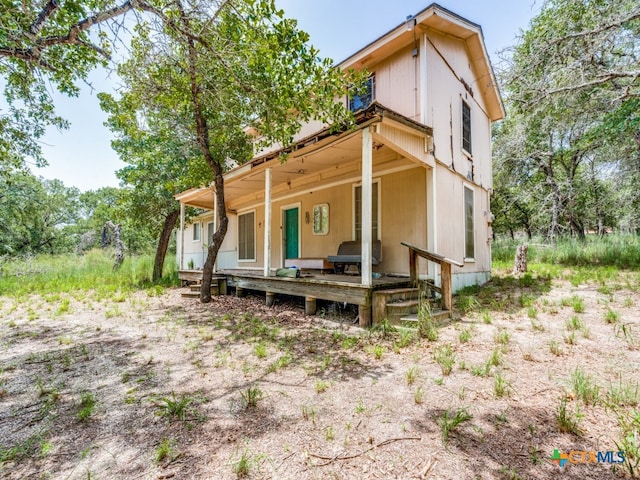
(466, 127)
(364, 97)
(247, 236)
(375, 208)
(469, 231)
(196, 232)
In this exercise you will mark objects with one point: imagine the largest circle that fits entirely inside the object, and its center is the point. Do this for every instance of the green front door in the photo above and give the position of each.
(291, 233)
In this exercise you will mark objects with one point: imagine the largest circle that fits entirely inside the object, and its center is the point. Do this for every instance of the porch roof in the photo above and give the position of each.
(326, 156)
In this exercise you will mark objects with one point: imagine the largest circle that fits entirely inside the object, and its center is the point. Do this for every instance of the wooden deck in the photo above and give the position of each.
(311, 286)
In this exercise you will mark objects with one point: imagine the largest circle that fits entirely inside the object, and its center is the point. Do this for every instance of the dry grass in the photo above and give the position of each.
(162, 367)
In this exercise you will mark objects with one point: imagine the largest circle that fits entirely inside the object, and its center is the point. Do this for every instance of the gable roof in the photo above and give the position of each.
(435, 17)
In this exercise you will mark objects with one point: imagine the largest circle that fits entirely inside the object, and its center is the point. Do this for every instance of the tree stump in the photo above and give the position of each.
(520, 265)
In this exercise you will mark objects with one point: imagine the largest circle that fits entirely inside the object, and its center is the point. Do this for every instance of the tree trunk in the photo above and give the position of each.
(520, 264)
(163, 244)
(556, 204)
(202, 137)
(216, 241)
(546, 165)
(577, 227)
(116, 230)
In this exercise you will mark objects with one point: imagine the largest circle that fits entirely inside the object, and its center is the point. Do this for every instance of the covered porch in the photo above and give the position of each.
(373, 184)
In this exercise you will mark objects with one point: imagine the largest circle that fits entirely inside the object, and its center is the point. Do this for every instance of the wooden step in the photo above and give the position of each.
(397, 294)
(191, 294)
(400, 308)
(393, 304)
(218, 286)
(439, 316)
(196, 288)
(196, 291)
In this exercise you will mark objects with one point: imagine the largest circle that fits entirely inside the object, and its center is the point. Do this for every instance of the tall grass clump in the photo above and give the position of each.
(427, 327)
(614, 250)
(72, 272)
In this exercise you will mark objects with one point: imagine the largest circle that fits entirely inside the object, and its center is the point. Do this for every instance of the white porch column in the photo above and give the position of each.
(215, 226)
(267, 221)
(432, 211)
(367, 176)
(181, 235)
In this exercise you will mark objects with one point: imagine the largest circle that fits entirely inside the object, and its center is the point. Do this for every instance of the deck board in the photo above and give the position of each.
(338, 288)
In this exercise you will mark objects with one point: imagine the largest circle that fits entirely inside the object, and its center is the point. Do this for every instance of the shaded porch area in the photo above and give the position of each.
(371, 186)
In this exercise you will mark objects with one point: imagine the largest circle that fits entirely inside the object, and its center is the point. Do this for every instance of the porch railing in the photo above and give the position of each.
(445, 270)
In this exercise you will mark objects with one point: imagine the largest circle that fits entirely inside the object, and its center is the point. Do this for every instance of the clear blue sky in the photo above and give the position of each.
(82, 155)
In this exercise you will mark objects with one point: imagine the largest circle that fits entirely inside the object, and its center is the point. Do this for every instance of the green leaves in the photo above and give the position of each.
(35, 214)
(44, 45)
(571, 87)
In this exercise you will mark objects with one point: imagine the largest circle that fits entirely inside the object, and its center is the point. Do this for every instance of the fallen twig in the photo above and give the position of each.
(430, 464)
(348, 457)
(285, 459)
(542, 391)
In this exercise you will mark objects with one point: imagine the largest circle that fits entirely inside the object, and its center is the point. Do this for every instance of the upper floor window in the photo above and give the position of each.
(365, 97)
(466, 127)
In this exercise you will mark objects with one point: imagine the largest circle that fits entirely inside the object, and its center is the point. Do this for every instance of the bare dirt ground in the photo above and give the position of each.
(159, 387)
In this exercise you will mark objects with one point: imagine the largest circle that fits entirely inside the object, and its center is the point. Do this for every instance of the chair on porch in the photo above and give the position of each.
(349, 253)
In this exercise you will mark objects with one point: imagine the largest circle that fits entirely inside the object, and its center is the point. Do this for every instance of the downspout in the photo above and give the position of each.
(416, 57)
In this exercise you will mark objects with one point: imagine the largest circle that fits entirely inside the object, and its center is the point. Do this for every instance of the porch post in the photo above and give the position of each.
(367, 176)
(432, 221)
(215, 226)
(267, 221)
(181, 236)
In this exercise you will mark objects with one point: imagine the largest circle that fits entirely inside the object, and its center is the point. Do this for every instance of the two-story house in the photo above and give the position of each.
(415, 170)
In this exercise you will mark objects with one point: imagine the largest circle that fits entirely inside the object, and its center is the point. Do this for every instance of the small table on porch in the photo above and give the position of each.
(321, 264)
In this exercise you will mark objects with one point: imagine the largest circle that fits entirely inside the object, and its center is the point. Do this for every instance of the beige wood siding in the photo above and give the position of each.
(402, 215)
(311, 246)
(194, 250)
(404, 218)
(306, 129)
(450, 211)
(404, 142)
(397, 80)
(443, 100)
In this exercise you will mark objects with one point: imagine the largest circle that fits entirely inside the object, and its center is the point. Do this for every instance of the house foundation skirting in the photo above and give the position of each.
(462, 280)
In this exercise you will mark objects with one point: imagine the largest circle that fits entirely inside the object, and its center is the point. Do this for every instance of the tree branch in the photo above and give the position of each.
(601, 79)
(45, 13)
(33, 53)
(587, 33)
